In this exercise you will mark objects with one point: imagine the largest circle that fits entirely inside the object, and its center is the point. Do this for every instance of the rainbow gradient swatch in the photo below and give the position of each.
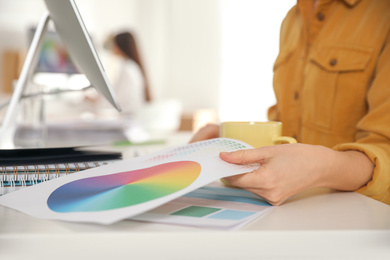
(123, 189)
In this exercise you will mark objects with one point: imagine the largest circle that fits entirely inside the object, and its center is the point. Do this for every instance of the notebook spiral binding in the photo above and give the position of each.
(15, 177)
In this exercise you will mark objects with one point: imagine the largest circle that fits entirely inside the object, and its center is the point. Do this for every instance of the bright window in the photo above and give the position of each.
(250, 46)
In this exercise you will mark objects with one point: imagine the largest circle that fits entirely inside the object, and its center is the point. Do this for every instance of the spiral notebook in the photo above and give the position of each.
(26, 167)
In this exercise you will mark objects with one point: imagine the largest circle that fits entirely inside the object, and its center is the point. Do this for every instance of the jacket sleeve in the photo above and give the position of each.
(273, 113)
(373, 136)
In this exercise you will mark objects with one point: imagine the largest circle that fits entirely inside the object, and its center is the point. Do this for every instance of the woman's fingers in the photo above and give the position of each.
(259, 155)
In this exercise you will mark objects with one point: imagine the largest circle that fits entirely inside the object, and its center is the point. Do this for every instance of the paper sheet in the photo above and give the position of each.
(212, 206)
(128, 188)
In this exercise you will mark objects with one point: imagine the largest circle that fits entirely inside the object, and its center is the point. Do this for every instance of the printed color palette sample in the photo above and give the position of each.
(123, 189)
(216, 213)
(196, 211)
(232, 214)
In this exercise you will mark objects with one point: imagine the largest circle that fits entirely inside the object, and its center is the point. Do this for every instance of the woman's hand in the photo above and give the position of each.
(289, 169)
(207, 132)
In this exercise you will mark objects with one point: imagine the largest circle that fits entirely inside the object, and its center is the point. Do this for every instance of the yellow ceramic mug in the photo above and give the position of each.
(256, 134)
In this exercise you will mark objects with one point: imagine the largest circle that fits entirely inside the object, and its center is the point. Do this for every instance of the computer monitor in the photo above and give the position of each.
(70, 27)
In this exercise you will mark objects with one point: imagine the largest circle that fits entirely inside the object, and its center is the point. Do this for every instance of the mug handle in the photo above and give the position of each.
(283, 139)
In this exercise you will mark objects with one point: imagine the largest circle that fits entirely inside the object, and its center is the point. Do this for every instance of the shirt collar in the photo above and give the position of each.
(352, 2)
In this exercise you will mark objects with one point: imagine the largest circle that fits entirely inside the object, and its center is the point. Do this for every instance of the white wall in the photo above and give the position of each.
(195, 52)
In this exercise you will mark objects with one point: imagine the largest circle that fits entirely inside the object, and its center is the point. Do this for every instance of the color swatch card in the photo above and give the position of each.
(212, 206)
(125, 189)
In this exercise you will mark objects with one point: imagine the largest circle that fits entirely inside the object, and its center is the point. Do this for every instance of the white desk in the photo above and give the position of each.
(317, 224)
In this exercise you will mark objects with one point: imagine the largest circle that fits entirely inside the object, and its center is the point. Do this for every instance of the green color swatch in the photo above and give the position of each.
(195, 211)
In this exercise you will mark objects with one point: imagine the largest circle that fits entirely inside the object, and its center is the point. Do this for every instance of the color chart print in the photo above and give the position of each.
(123, 189)
(232, 195)
(212, 146)
(215, 213)
(210, 206)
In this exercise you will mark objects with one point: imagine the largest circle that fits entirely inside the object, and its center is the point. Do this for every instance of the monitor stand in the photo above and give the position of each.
(8, 127)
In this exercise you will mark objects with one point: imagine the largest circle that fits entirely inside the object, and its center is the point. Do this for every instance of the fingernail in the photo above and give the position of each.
(225, 153)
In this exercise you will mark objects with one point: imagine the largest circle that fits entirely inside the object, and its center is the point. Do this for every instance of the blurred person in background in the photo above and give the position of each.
(131, 84)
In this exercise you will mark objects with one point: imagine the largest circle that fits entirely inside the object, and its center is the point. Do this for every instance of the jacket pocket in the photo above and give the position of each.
(342, 58)
(335, 82)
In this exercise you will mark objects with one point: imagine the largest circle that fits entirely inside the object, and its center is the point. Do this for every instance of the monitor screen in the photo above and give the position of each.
(53, 56)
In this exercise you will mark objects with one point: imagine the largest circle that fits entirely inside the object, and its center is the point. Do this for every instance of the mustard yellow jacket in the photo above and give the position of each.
(332, 81)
